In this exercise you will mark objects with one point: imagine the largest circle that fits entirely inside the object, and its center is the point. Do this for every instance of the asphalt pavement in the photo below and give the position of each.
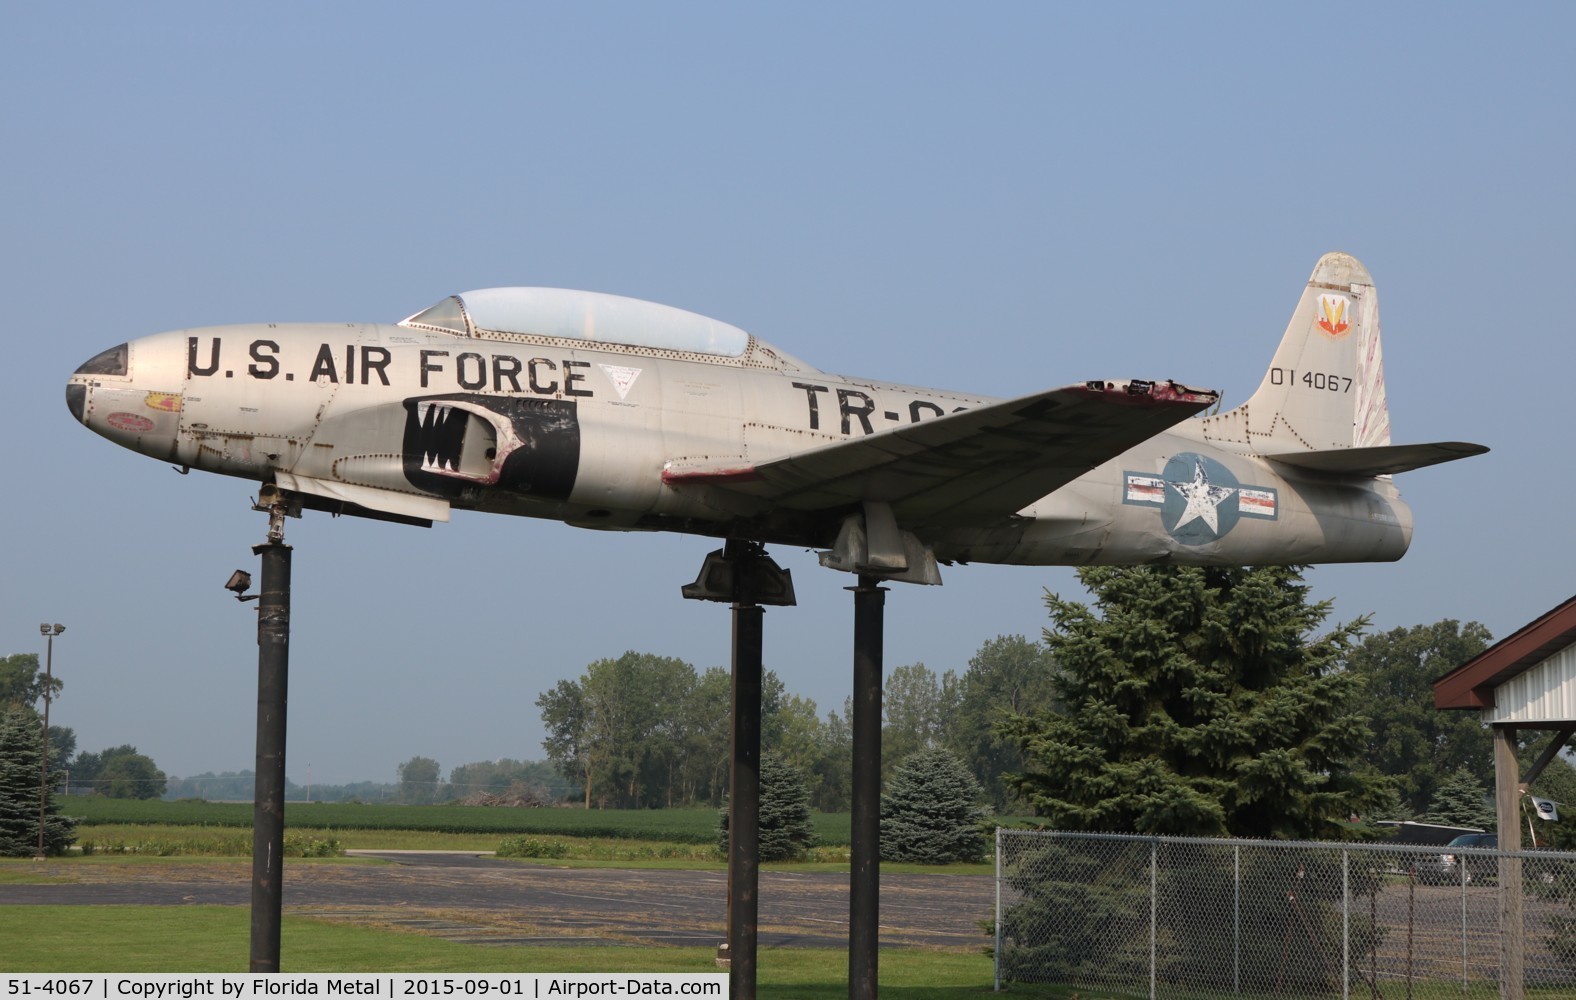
(481, 899)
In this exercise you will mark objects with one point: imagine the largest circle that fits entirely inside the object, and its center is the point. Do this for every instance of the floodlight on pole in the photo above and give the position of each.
(239, 581)
(49, 632)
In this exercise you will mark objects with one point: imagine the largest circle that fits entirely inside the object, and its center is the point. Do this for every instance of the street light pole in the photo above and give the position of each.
(49, 632)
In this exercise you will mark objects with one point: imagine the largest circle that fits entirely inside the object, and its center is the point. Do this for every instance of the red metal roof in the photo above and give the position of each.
(1471, 685)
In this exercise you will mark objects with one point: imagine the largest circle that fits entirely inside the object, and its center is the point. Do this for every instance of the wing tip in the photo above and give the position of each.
(1144, 392)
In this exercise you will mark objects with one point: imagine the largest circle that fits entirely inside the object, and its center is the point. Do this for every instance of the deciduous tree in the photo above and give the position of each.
(798, 735)
(833, 782)
(121, 772)
(708, 734)
(621, 728)
(506, 776)
(916, 705)
(22, 680)
(1413, 742)
(568, 742)
(418, 781)
(1009, 675)
(131, 776)
(1557, 783)
(625, 700)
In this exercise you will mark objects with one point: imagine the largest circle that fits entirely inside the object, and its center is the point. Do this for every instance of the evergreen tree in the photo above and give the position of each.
(932, 813)
(785, 810)
(784, 826)
(21, 758)
(1198, 701)
(1461, 800)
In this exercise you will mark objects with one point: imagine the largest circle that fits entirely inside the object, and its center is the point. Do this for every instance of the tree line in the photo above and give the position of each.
(1184, 700)
(120, 771)
(1175, 700)
(503, 782)
(642, 730)
(116, 772)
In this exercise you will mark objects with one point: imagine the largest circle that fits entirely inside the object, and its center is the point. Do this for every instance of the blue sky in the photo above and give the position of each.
(994, 198)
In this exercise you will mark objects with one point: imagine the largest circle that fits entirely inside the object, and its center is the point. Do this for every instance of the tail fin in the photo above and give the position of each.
(1321, 406)
(1325, 387)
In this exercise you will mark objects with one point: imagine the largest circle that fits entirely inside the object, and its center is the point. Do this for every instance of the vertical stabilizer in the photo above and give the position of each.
(1325, 388)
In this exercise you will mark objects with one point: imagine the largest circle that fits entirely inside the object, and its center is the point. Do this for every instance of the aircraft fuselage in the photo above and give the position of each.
(412, 422)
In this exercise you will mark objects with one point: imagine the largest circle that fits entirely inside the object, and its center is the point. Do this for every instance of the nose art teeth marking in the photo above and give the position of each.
(442, 435)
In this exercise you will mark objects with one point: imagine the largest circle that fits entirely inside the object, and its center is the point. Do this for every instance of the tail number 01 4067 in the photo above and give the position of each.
(1313, 380)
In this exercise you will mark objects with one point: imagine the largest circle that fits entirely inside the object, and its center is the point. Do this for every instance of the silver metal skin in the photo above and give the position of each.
(611, 413)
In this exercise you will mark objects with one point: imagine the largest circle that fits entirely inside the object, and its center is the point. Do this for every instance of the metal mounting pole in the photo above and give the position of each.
(744, 801)
(742, 574)
(268, 811)
(864, 903)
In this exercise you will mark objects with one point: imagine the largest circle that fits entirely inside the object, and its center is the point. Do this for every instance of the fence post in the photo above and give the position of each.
(1346, 925)
(996, 952)
(1154, 858)
(1236, 918)
(1463, 858)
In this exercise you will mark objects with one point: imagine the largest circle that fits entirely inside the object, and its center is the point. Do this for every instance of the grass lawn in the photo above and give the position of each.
(155, 839)
(67, 939)
(215, 939)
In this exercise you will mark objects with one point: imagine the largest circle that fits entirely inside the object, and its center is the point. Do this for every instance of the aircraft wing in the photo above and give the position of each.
(990, 461)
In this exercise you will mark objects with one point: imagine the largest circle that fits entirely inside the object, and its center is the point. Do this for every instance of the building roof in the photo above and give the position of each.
(1472, 685)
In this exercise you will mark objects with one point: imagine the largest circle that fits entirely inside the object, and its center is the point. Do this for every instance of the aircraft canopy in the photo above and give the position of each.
(589, 316)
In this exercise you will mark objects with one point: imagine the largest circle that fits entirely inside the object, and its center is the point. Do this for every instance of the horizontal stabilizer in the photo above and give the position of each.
(1383, 460)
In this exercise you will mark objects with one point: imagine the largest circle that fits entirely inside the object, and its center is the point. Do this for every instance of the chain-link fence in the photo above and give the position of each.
(1181, 917)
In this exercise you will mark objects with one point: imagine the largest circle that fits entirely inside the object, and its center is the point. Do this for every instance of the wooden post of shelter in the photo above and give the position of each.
(1525, 681)
(1507, 800)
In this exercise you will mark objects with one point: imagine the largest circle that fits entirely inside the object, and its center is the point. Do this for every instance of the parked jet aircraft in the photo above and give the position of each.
(609, 412)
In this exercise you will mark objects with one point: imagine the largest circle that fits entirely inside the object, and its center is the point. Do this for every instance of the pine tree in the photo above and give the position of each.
(21, 756)
(1198, 701)
(932, 813)
(784, 825)
(1461, 800)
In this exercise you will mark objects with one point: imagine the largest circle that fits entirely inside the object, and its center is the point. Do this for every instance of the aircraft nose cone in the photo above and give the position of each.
(77, 401)
(113, 362)
(121, 394)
